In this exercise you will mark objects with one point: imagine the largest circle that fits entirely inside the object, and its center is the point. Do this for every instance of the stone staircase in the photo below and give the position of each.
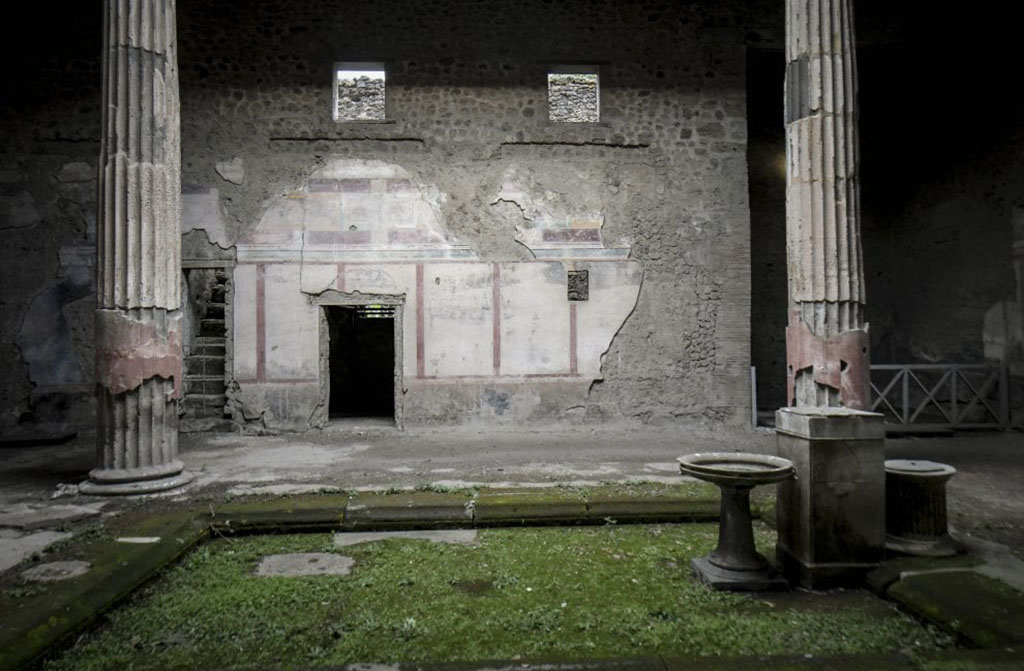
(204, 366)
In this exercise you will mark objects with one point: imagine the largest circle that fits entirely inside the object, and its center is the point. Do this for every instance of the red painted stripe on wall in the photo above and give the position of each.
(496, 315)
(421, 365)
(573, 359)
(261, 322)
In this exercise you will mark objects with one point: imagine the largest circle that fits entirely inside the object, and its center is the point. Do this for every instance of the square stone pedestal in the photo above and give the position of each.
(831, 516)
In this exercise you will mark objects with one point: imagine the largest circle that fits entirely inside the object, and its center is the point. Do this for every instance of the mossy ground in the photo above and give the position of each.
(547, 593)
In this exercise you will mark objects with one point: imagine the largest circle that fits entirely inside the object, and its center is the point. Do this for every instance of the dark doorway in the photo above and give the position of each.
(362, 360)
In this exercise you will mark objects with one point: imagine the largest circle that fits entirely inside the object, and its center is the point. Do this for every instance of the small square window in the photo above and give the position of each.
(573, 94)
(359, 92)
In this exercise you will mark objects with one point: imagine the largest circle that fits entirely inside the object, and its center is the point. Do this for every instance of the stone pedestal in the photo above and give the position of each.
(915, 508)
(735, 564)
(831, 516)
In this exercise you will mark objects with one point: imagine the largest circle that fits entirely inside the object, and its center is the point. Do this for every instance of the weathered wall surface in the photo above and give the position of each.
(663, 175)
(49, 141)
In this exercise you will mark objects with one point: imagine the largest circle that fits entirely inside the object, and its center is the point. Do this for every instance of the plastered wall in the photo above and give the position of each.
(481, 205)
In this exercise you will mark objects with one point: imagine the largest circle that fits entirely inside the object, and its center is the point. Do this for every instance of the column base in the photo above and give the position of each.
(935, 546)
(822, 575)
(720, 578)
(134, 481)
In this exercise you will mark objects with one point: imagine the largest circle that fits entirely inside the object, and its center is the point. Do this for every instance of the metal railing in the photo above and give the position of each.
(941, 396)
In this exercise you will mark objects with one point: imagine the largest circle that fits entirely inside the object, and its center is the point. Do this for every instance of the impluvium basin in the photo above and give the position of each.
(735, 564)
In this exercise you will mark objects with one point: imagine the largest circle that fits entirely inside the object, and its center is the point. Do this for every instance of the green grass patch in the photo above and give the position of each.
(528, 593)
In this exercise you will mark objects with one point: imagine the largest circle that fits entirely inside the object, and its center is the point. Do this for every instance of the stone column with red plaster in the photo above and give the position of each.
(826, 341)
(831, 517)
(138, 317)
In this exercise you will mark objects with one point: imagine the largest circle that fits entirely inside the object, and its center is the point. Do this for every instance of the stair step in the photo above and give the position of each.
(213, 351)
(218, 293)
(210, 365)
(206, 425)
(209, 399)
(206, 386)
(211, 328)
(213, 311)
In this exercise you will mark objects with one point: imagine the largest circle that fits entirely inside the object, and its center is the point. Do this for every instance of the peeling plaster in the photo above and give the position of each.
(558, 217)
(231, 171)
(201, 210)
(45, 337)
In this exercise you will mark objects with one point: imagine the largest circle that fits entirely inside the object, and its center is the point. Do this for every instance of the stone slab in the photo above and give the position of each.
(830, 423)
(282, 489)
(304, 563)
(117, 569)
(530, 506)
(407, 510)
(15, 547)
(986, 612)
(879, 580)
(450, 536)
(718, 578)
(28, 517)
(623, 509)
(56, 570)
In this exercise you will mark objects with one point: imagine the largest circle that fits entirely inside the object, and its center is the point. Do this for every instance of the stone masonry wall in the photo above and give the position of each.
(573, 98)
(664, 170)
(467, 106)
(49, 143)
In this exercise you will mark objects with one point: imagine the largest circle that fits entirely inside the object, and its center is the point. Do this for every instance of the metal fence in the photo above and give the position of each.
(941, 396)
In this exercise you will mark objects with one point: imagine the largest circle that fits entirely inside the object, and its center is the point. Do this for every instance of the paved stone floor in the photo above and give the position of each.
(986, 497)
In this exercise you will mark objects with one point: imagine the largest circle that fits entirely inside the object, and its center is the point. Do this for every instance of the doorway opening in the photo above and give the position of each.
(361, 361)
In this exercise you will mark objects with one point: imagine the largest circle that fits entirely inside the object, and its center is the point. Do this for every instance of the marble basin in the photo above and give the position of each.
(736, 469)
(735, 564)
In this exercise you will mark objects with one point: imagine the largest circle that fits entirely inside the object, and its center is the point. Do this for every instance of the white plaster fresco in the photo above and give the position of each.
(367, 228)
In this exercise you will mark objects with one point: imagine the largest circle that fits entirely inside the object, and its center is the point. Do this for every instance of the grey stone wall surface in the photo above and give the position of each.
(467, 101)
(666, 165)
(49, 142)
(360, 99)
(573, 98)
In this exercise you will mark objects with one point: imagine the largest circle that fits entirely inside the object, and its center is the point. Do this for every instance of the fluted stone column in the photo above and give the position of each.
(831, 516)
(138, 320)
(826, 341)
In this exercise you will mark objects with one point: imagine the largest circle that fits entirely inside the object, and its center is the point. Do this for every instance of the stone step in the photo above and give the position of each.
(213, 311)
(207, 386)
(209, 365)
(211, 350)
(204, 399)
(198, 405)
(211, 328)
(218, 293)
(206, 425)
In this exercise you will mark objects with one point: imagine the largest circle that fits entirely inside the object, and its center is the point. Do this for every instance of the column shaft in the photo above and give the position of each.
(138, 318)
(826, 340)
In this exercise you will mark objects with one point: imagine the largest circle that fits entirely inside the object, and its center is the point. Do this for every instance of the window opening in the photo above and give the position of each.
(359, 92)
(573, 94)
(361, 360)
